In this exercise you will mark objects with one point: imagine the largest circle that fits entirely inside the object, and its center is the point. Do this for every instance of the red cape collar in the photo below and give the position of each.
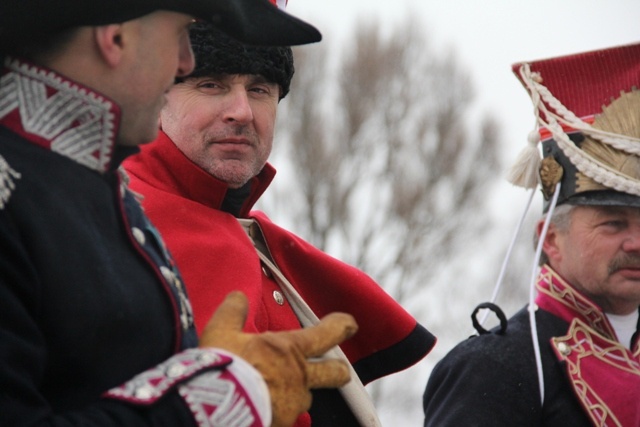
(58, 114)
(164, 166)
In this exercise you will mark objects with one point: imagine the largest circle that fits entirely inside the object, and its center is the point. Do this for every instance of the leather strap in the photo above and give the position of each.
(354, 393)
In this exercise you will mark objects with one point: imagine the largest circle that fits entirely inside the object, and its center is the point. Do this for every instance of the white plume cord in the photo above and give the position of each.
(532, 293)
(505, 262)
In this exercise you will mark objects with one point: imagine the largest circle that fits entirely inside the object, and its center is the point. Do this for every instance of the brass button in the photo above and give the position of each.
(277, 295)
(564, 349)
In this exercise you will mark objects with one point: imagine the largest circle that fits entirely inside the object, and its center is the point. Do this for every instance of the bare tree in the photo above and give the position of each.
(383, 167)
(385, 173)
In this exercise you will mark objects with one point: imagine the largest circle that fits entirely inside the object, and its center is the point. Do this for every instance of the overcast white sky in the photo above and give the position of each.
(488, 37)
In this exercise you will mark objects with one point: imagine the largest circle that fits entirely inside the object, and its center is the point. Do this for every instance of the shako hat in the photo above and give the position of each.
(587, 107)
(251, 21)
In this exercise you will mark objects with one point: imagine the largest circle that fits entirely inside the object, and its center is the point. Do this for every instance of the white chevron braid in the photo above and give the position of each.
(8, 176)
(80, 124)
(216, 401)
(149, 386)
(220, 388)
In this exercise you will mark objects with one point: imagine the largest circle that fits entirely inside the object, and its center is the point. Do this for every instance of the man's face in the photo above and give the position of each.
(599, 254)
(159, 50)
(224, 124)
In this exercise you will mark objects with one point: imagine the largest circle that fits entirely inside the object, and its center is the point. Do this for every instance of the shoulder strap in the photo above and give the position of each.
(354, 392)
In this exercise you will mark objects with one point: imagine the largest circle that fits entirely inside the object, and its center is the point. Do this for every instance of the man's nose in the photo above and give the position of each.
(238, 107)
(631, 242)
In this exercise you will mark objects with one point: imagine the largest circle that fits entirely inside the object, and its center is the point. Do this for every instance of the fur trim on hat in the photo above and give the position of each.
(217, 53)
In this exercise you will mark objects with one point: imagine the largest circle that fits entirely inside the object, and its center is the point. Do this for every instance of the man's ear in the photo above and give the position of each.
(109, 41)
(550, 245)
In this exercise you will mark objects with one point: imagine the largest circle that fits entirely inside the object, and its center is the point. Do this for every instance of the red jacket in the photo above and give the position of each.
(215, 256)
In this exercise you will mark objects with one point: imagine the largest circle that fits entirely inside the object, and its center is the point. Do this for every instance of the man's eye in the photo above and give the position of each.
(615, 223)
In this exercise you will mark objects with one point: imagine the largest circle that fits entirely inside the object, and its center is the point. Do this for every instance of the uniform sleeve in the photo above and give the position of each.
(482, 382)
(220, 389)
(203, 387)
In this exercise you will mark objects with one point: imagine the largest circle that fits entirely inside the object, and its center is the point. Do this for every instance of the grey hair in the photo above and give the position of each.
(561, 219)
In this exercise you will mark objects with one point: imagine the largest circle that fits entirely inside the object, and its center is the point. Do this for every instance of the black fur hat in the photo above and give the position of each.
(217, 53)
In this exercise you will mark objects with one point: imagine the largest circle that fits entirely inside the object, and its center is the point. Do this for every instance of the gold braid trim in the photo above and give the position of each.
(561, 292)
(577, 346)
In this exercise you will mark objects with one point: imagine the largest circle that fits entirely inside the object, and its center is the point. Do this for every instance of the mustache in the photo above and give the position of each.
(624, 261)
(243, 131)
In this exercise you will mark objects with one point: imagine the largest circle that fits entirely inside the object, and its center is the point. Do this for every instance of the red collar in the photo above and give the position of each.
(558, 297)
(162, 165)
(58, 114)
(605, 375)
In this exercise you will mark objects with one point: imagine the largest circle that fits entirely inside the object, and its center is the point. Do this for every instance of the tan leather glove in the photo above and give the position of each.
(283, 357)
